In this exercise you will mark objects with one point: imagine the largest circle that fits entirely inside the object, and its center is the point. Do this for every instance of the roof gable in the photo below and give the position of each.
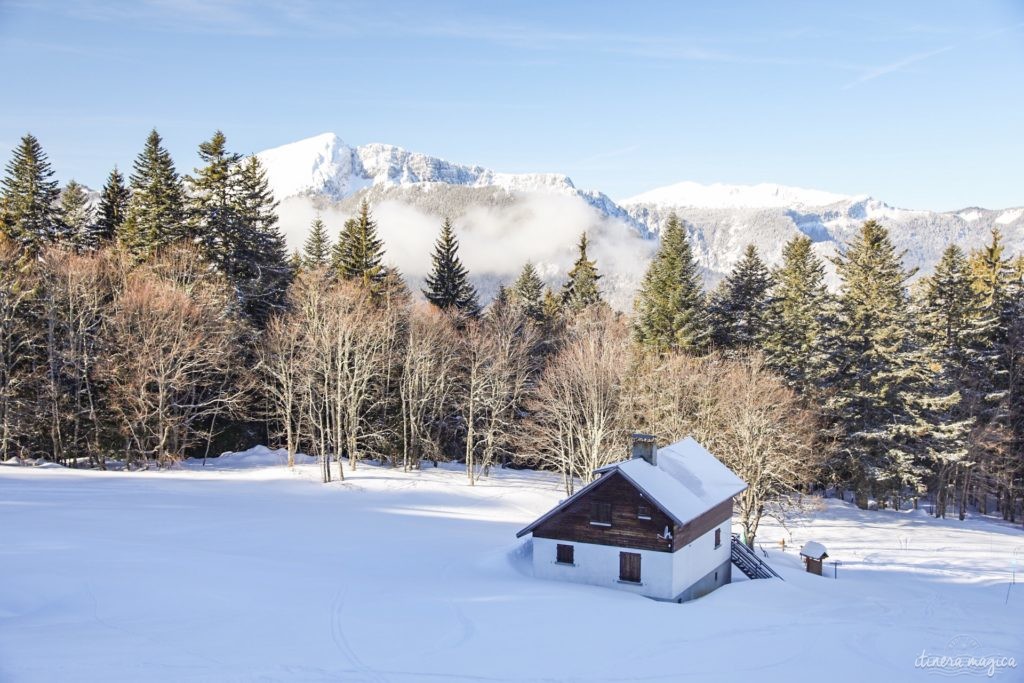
(687, 482)
(564, 504)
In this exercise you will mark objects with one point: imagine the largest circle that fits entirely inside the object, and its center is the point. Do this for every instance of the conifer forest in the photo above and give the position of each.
(165, 318)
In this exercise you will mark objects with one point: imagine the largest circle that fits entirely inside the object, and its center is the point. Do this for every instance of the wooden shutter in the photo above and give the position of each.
(564, 554)
(629, 567)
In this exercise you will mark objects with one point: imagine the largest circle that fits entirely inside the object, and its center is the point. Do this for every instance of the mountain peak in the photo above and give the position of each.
(325, 165)
(320, 164)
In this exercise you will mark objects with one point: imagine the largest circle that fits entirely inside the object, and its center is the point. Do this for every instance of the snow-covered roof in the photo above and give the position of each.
(813, 550)
(686, 482)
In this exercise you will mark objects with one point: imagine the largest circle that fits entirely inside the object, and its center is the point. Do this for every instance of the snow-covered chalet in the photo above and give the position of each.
(658, 524)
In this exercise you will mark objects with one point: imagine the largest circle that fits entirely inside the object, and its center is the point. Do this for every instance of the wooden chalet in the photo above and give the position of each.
(658, 524)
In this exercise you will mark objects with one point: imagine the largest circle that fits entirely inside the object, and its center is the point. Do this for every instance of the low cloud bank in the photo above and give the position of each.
(495, 242)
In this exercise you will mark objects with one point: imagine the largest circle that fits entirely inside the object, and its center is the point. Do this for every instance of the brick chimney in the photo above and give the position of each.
(644, 446)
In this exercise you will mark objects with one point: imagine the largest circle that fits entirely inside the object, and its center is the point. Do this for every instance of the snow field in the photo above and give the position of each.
(244, 570)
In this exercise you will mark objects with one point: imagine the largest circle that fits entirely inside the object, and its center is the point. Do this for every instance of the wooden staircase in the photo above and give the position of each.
(747, 561)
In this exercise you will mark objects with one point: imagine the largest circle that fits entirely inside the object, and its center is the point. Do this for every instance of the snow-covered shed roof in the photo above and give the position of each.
(813, 550)
(686, 482)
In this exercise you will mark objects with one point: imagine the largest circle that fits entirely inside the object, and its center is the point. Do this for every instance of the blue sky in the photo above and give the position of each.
(918, 103)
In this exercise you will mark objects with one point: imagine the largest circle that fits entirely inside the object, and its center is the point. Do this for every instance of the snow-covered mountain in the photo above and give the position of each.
(721, 196)
(723, 219)
(505, 219)
(325, 166)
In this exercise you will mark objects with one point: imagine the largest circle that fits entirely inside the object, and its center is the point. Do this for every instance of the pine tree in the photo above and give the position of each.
(212, 208)
(261, 265)
(741, 306)
(945, 309)
(551, 307)
(316, 251)
(156, 211)
(879, 386)
(992, 277)
(670, 307)
(31, 218)
(989, 354)
(77, 217)
(112, 208)
(948, 306)
(502, 300)
(448, 285)
(527, 292)
(580, 291)
(359, 253)
(797, 335)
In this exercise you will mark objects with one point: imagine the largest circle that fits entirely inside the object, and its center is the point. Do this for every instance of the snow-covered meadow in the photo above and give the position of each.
(245, 570)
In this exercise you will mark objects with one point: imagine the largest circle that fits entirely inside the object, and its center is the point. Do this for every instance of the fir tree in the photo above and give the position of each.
(156, 211)
(31, 218)
(945, 312)
(316, 251)
(948, 306)
(359, 253)
(448, 285)
(670, 306)
(112, 208)
(77, 217)
(580, 291)
(992, 278)
(551, 307)
(797, 335)
(879, 385)
(212, 204)
(741, 305)
(502, 300)
(261, 264)
(990, 355)
(527, 292)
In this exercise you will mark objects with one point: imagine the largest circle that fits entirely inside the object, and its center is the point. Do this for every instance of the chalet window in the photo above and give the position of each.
(629, 567)
(643, 512)
(718, 537)
(563, 554)
(601, 514)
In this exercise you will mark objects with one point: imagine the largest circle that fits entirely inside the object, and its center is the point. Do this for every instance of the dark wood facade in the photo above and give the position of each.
(687, 533)
(636, 521)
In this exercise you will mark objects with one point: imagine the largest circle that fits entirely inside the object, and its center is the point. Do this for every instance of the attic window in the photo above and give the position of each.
(718, 538)
(643, 512)
(601, 514)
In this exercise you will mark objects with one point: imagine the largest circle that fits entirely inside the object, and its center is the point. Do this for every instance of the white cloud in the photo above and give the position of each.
(495, 242)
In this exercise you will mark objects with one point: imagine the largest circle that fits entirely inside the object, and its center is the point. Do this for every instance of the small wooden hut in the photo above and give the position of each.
(813, 554)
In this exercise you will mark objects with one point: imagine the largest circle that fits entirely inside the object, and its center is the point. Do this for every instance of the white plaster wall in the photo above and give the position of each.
(598, 565)
(693, 562)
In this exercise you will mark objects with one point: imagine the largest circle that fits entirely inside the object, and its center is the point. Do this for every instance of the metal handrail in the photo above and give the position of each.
(751, 557)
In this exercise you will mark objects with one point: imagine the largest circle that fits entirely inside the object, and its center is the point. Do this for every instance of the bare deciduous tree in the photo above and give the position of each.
(741, 412)
(497, 356)
(282, 365)
(170, 362)
(18, 337)
(577, 423)
(428, 381)
(76, 291)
